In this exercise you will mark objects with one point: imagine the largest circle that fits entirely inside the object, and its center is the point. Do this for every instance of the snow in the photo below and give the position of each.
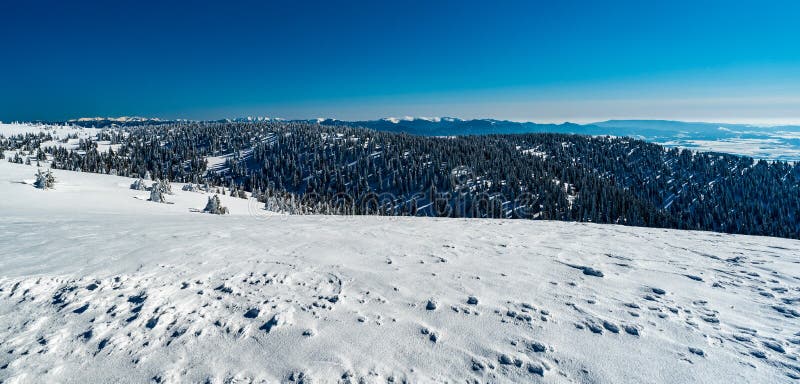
(395, 120)
(121, 119)
(535, 152)
(57, 131)
(770, 149)
(100, 286)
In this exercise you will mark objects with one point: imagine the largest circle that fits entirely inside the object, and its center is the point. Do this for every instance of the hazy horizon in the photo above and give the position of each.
(752, 122)
(522, 61)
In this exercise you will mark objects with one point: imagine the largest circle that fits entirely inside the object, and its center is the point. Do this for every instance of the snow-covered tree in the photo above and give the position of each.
(271, 203)
(283, 203)
(157, 193)
(214, 206)
(44, 180)
(139, 185)
(165, 186)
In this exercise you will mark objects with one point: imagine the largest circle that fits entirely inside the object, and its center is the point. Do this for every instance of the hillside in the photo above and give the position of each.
(312, 168)
(770, 143)
(99, 285)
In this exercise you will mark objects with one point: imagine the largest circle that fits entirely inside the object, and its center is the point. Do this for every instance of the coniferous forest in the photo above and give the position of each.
(307, 168)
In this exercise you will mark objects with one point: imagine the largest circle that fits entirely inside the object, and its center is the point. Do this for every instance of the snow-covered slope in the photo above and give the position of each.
(98, 285)
(57, 131)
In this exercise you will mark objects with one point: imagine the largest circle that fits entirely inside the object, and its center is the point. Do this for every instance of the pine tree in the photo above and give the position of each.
(157, 193)
(214, 206)
(164, 185)
(44, 180)
(139, 185)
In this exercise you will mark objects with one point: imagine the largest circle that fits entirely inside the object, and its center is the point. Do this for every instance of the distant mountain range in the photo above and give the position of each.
(771, 143)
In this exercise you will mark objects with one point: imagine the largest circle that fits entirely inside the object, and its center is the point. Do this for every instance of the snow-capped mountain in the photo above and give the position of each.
(250, 119)
(121, 119)
(396, 120)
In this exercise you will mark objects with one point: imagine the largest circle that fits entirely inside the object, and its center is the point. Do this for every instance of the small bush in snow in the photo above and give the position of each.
(156, 194)
(44, 180)
(165, 186)
(214, 206)
(139, 185)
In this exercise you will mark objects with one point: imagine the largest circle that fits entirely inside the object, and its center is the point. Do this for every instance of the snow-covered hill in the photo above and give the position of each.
(99, 285)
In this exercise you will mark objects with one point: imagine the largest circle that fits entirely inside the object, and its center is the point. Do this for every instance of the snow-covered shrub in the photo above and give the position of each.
(165, 186)
(139, 185)
(44, 180)
(214, 206)
(282, 203)
(157, 192)
(190, 188)
(272, 203)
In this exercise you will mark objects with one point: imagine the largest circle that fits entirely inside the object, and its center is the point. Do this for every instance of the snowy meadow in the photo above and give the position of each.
(101, 285)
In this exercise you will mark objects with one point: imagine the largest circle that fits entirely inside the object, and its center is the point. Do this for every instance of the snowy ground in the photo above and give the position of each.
(769, 148)
(57, 131)
(99, 285)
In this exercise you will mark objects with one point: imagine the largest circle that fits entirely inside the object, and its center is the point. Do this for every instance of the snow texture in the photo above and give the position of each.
(99, 285)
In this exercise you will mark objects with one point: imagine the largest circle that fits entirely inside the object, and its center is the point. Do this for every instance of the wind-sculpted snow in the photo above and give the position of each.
(98, 286)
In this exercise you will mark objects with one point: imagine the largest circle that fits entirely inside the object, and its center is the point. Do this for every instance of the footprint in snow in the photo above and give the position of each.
(432, 335)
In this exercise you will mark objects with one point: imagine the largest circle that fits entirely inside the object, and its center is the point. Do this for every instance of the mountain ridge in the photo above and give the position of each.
(775, 143)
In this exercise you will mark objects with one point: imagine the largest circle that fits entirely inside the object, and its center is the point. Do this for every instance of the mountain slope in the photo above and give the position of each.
(100, 286)
(770, 143)
(338, 169)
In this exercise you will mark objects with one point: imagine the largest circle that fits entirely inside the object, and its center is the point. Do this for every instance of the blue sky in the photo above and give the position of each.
(520, 60)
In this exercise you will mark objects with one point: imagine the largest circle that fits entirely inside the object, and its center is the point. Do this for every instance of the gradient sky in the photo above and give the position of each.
(727, 61)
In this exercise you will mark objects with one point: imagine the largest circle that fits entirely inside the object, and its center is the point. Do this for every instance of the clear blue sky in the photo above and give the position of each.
(521, 60)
